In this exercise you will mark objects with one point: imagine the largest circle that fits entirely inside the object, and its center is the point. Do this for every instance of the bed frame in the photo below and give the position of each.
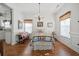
(43, 43)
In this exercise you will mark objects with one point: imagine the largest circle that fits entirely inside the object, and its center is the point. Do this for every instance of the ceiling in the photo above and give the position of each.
(33, 8)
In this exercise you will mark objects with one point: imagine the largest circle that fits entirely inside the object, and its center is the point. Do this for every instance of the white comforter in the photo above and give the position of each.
(42, 45)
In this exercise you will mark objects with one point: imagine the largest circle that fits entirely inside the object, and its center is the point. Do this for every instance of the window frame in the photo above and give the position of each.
(64, 17)
(69, 30)
(27, 21)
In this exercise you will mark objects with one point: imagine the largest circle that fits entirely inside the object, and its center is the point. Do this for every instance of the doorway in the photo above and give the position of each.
(28, 26)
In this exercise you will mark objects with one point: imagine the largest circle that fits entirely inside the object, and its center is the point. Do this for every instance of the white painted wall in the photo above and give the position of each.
(46, 17)
(16, 16)
(2, 35)
(5, 35)
(8, 36)
(74, 26)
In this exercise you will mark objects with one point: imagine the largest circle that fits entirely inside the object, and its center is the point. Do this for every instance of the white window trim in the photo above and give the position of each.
(63, 35)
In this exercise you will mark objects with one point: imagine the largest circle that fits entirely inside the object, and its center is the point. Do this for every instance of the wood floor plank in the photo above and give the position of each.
(25, 49)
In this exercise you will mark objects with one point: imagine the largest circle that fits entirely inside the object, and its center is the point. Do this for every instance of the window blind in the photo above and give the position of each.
(28, 21)
(65, 16)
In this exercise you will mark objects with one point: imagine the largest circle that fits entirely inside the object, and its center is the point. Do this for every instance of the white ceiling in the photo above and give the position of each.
(33, 8)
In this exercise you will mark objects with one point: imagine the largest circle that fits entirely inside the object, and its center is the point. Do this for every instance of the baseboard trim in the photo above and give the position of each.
(66, 45)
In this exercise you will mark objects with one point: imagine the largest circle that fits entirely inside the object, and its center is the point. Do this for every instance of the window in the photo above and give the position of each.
(65, 28)
(65, 24)
(28, 26)
(2, 23)
(7, 24)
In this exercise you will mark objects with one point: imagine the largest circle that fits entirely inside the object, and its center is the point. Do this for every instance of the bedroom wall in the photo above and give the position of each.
(3, 33)
(46, 17)
(16, 16)
(74, 26)
(3, 9)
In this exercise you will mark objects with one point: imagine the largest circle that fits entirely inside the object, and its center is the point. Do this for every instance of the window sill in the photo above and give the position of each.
(65, 37)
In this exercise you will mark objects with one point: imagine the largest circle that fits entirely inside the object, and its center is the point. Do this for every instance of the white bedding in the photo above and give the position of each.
(42, 45)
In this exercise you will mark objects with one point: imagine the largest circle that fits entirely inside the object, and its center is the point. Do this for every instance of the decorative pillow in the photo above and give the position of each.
(35, 39)
(47, 39)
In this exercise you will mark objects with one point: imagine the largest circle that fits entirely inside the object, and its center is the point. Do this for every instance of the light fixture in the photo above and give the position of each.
(39, 12)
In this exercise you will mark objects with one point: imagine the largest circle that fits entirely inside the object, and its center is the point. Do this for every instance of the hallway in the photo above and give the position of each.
(25, 49)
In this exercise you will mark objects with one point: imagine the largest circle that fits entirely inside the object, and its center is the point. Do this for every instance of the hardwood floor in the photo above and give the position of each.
(25, 49)
(1, 47)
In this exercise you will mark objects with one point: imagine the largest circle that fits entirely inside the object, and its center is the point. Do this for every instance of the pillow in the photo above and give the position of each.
(48, 39)
(35, 39)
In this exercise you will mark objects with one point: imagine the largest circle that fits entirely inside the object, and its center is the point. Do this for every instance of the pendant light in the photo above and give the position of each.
(39, 12)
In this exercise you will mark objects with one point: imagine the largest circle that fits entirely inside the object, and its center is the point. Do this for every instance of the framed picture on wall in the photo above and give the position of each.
(49, 24)
(20, 25)
(39, 24)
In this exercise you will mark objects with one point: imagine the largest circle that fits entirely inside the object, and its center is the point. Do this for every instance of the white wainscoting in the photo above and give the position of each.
(71, 43)
(75, 41)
